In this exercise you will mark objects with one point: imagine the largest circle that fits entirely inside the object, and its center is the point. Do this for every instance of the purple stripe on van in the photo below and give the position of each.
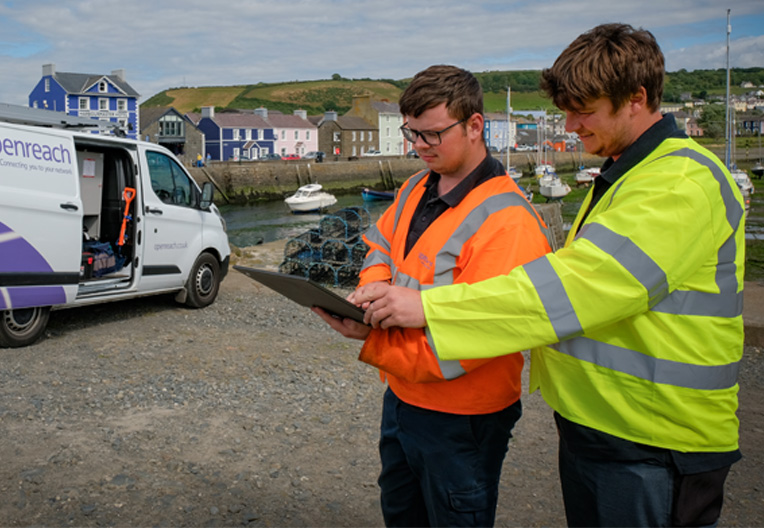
(24, 297)
(17, 254)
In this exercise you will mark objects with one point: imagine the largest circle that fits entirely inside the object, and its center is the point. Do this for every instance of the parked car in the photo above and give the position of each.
(290, 157)
(371, 152)
(270, 157)
(315, 154)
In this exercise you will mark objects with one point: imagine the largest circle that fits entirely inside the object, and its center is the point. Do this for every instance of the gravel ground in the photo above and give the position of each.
(249, 412)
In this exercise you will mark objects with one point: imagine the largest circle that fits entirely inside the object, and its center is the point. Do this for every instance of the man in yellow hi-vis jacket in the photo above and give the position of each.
(636, 324)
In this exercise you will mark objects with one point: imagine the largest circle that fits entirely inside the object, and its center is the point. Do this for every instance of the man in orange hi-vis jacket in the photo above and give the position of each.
(445, 424)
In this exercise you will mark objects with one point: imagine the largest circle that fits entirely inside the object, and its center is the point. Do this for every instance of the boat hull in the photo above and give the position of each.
(370, 195)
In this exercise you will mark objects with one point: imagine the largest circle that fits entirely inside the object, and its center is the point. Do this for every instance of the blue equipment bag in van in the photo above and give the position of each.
(104, 259)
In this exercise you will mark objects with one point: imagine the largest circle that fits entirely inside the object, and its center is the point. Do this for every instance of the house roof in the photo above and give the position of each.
(385, 107)
(233, 120)
(155, 113)
(354, 123)
(279, 120)
(77, 83)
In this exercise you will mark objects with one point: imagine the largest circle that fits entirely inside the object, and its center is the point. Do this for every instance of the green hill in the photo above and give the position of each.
(337, 93)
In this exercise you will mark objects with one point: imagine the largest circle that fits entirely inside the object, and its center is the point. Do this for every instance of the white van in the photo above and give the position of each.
(87, 219)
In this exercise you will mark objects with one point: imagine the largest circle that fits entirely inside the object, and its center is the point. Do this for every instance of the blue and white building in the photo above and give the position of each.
(235, 136)
(107, 98)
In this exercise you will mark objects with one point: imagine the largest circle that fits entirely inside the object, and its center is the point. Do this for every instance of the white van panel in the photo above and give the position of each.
(41, 225)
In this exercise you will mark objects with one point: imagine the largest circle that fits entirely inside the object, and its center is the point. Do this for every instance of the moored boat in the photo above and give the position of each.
(553, 188)
(758, 170)
(586, 176)
(370, 195)
(310, 198)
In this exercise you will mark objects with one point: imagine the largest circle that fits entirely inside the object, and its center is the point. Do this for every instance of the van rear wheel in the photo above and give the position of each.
(203, 282)
(23, 326)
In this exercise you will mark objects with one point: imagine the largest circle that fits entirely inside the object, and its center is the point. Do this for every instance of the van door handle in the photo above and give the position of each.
(153, 211)
(69, 206)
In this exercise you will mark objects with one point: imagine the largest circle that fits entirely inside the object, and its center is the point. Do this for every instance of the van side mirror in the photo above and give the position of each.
(207, 193)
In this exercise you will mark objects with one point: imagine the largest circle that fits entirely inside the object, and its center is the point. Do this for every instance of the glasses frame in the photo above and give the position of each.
(412, 135)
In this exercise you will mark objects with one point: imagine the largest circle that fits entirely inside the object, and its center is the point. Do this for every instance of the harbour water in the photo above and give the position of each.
(249, 225)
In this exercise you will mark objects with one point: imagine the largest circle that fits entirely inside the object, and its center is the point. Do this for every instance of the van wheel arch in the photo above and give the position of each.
(203, 282)
(23, 326)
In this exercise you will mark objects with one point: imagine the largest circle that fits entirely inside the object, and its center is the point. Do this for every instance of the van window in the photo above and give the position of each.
(168, 180)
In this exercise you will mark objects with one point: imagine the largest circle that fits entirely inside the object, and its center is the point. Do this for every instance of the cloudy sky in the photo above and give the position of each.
(169, 43)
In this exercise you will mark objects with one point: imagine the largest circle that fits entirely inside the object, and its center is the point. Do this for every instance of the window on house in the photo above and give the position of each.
(354, 139)
(296, 135)
(47, 85)
(84, 103)
(171, 125)
(102, 87)
(371, 135)
(283, 134)
(122, 105)
(388, 131)
(336, 137)
(103, 104)
(307, 135)
(236, 134)
(248, 134)
(361, 135)
(354, 153)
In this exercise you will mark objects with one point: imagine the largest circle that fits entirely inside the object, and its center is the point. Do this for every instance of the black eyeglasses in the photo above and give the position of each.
(431, 137)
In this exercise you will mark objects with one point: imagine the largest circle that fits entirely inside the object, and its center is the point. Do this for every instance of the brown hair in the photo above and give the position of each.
(611, 60)
(458, 88)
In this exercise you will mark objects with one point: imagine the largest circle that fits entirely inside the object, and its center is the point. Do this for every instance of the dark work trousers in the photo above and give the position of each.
(650, 492)
(441, 469)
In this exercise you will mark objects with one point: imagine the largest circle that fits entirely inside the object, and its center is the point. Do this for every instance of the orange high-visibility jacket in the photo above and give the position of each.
(491, 231)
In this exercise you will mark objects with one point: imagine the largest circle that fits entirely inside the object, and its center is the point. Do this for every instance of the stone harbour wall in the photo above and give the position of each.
(251, 181)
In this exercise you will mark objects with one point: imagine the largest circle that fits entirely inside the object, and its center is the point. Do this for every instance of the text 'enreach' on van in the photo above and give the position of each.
(87, 219)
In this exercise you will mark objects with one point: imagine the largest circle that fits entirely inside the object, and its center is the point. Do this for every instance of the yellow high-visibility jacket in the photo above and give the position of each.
(643, 306)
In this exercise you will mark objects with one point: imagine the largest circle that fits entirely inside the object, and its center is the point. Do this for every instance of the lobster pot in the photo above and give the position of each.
(333, 226)
(336, 252)
(301, 249)
(359, 252)
(347, 276)
(294, 267)
(323, 273)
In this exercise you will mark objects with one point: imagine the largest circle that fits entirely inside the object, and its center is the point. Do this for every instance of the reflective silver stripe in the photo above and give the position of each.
(376, 257)
(700, 377)
(449, 369)
(728, 302)
(556, 302)
(403, 195)
(374, 236)
(631, 257)
(445, 260)
(407, 281)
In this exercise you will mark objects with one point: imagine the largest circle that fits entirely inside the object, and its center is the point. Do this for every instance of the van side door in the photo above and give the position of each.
(172, 220)
(40, 217)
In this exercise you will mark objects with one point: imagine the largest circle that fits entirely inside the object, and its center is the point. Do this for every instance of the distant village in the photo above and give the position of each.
(369, 128)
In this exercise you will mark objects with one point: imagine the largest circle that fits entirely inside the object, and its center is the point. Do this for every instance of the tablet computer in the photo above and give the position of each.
(304, 291)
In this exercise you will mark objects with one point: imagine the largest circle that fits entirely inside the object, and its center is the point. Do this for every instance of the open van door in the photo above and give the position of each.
(41, 226)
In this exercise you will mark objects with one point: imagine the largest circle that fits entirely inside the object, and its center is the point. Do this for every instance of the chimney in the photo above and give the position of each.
(301, 113)
(330, 115)
(208, 111)
(48, 70)
(262, 112)
(120, 74)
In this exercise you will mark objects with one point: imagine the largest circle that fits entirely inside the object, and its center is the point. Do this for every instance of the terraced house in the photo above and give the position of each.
(107, 98)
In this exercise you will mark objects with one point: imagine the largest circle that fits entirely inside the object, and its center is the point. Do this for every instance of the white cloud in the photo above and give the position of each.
(196, 42)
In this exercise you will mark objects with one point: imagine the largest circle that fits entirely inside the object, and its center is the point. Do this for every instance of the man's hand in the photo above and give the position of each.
(388, 306)
(345, 326)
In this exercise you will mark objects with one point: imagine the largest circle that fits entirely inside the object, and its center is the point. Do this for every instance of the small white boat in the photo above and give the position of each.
(742, 180)
(514, 173)
(586, 176)
(310, 198)
(544, 169)
(553, 188)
